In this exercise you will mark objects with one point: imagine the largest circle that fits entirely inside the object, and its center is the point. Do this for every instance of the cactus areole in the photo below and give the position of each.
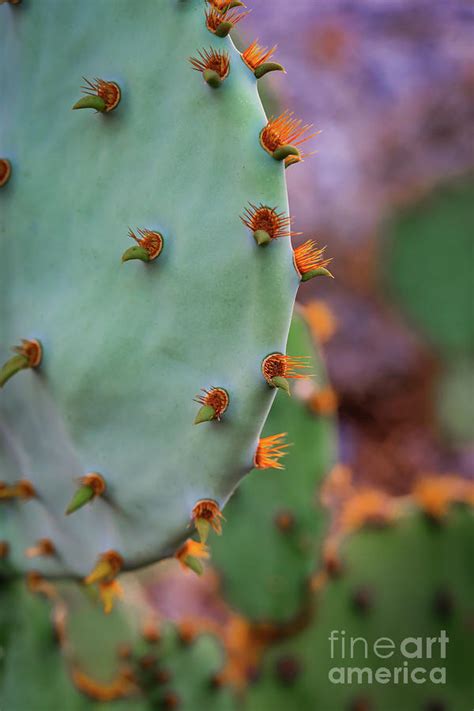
(129, 342)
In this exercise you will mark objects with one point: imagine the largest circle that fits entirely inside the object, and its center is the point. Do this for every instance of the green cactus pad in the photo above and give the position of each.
(425, 268)
(128, 346)
(273, 529)
(410, 580)
(27, 636)
(455, 405)
(185, 673)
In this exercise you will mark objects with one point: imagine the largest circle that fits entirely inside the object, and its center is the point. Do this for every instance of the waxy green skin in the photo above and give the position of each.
(128, 346)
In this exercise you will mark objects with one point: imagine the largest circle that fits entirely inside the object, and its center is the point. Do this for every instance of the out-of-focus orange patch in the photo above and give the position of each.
(324, 401)
(109, 591)
(121, 687)
(321, 320)
(191, 549)
(337, 487)
(369, 507)
(22, 489)
(106, 569)
(435, 494)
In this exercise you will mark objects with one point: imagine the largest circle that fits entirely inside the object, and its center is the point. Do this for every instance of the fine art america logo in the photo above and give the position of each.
(412, 660)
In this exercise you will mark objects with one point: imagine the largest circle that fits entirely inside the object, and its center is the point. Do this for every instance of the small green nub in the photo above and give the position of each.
(91, 102)
(284, 152)
(203, 527)
(136, 252)
(316, 272)
(206, 414)
(262, 238)
(82, 496)
(12, 366)
(194, 564)
(267, 67)
(292, 160)
(212, 78)
(235, 3)
(281, 383)
(223, 29)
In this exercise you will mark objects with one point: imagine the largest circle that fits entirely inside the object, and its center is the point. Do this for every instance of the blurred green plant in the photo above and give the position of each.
(428, 267)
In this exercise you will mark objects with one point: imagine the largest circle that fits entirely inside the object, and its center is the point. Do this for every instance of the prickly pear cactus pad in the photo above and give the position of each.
(52, 638)
(173, 673)
(405, 583)
(130, 285)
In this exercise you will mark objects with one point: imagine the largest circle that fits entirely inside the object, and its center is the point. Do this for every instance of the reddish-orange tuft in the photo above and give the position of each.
(208, 510)
(308, 257)
(215, 18)
(149, 240)
(42, 547)
(269, 452)
(222, 5)
(95, 482)
(5, 171)
(277, 365)
(217, 398)
(284, 130)
(215, 60)
(108, 91)
(108, 566)
(31, 350)
(267, 219)
(191, 549)
(22, 489)
(254, 56)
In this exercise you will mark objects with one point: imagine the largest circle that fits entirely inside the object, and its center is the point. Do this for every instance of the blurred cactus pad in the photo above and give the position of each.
(402, 599)
(430, 274)
(115, 338)
(426, 271)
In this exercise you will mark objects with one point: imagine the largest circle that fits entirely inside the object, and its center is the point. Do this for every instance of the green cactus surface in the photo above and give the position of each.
(427, 277)
(34, 670)
(411, 580)
(173, 671)
(127, 345)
